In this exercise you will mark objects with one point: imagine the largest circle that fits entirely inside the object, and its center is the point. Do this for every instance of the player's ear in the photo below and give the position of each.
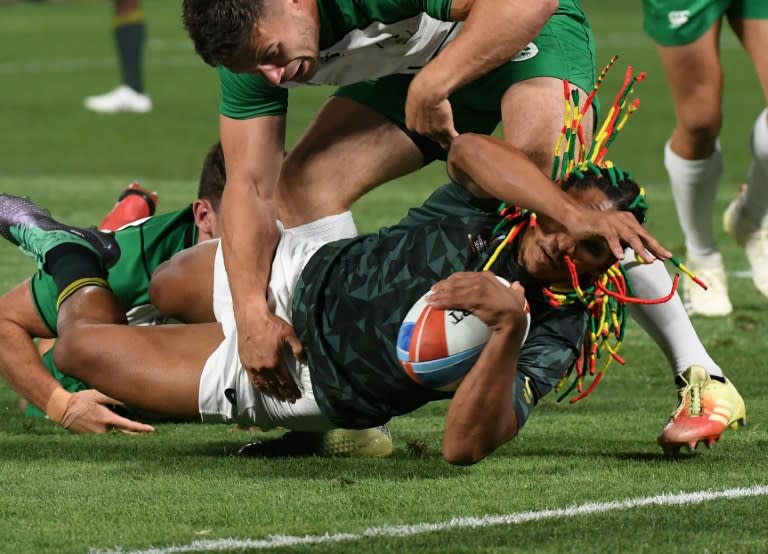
(205, 217)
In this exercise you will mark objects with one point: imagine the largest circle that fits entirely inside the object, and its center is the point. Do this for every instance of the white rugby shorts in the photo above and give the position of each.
(226, 392)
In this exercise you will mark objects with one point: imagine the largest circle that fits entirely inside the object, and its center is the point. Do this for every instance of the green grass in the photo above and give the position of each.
(67, 493)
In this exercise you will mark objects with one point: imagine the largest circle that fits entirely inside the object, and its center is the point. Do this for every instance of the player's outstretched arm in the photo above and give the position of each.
(86, 411)
(481, 416)
(22, 368)
(494, 32)
(491, 167)
(253, 152)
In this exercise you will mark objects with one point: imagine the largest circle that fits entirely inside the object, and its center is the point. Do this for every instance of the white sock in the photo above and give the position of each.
(694, 187)
(756, 200)
(667, 324)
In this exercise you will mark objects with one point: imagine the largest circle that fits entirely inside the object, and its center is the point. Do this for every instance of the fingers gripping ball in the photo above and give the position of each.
(438, 347)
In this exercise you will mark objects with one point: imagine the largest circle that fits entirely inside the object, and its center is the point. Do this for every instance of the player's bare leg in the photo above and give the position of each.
(347, 150)
(154, 368)
(695, 165)
(746, 218)
(182, 287)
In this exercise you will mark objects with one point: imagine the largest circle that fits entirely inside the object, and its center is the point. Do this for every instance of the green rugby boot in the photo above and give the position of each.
(36, 233)
(375, 442)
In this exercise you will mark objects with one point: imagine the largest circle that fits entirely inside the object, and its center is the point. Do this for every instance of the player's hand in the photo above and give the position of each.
(429, 114)
(500, 306)
(615, 227)
(261, 345)
(86, 412)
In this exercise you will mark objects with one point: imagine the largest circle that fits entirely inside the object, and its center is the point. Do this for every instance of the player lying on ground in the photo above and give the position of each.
(347, 299)
(30, 309)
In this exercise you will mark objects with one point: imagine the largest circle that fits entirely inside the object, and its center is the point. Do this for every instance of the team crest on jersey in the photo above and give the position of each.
(678, 18)
(526, 53)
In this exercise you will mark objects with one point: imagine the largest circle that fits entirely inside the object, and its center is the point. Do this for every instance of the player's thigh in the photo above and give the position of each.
(695, 78)
(753, 34)
(533, 118)
(154, 368)
(527, 92)
(348, 149)
(182, 287)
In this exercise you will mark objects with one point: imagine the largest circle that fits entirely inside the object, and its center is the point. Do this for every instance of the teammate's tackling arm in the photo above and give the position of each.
(494, 31)
(491, 167)
(253, 155)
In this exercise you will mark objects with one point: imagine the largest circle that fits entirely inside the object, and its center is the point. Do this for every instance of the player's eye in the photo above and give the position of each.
(596, 247)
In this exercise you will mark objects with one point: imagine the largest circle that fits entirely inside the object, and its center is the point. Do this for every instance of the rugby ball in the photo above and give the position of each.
(438, 347)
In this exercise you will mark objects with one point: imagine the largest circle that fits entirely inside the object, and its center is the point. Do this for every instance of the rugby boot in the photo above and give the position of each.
(36, 233)
(706, 408)
(133, 204)
(752, 236)
(712, 301)
(121, 99)
(357, 443)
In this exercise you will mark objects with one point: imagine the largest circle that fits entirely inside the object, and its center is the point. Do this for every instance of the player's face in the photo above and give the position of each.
(543, 248)
(284, 44)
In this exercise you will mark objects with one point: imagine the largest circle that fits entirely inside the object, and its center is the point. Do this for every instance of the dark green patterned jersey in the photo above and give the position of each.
(353, 295)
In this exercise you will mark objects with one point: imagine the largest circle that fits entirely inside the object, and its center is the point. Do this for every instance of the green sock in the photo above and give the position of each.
(130, 33)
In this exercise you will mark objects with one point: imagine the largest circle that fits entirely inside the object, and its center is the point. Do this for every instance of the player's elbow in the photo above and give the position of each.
(467, 445)
(463, 149)
(461, 455)
(550, 6)
(469, 450)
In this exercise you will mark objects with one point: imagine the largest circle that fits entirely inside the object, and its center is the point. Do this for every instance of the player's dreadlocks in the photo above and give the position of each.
(575, 167)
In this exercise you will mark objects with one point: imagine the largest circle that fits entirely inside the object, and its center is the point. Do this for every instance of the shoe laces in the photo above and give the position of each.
(691, 392)
(694, 406)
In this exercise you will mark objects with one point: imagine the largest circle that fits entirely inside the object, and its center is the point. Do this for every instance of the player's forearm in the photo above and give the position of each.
(488, 165)
(249, 236)
(494, 32)
(21, 367)
(481, 415)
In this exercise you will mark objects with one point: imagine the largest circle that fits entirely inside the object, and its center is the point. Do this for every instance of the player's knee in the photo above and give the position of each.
(69, 352)
(701, 127)
(163, 280)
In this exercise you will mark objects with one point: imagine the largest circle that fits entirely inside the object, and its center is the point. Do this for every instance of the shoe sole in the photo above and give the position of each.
(673, 448)
(17, 210)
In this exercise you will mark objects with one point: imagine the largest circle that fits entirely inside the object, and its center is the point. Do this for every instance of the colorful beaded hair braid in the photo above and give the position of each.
(607, 297)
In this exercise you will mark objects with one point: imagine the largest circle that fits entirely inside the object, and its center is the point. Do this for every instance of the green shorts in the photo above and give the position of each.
(143, 247)
(564, 49)
(679, 22)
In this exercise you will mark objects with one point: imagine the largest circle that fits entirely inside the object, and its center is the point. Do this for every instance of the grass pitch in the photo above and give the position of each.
(183, 486)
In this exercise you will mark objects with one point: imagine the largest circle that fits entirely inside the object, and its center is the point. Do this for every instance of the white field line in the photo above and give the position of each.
(278, 541)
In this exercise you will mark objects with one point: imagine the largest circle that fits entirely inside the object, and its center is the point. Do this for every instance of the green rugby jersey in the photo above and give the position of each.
(360, 40)
(144, 245)
(353, 294)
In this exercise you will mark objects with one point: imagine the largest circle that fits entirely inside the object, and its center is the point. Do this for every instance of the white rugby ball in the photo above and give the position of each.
(438, 347)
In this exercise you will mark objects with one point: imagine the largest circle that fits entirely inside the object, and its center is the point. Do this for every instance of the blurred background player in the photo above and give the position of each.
(687, 33)
(130, 33)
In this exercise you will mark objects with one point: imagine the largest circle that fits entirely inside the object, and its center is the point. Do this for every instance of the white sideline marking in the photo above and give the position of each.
(278, 541)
